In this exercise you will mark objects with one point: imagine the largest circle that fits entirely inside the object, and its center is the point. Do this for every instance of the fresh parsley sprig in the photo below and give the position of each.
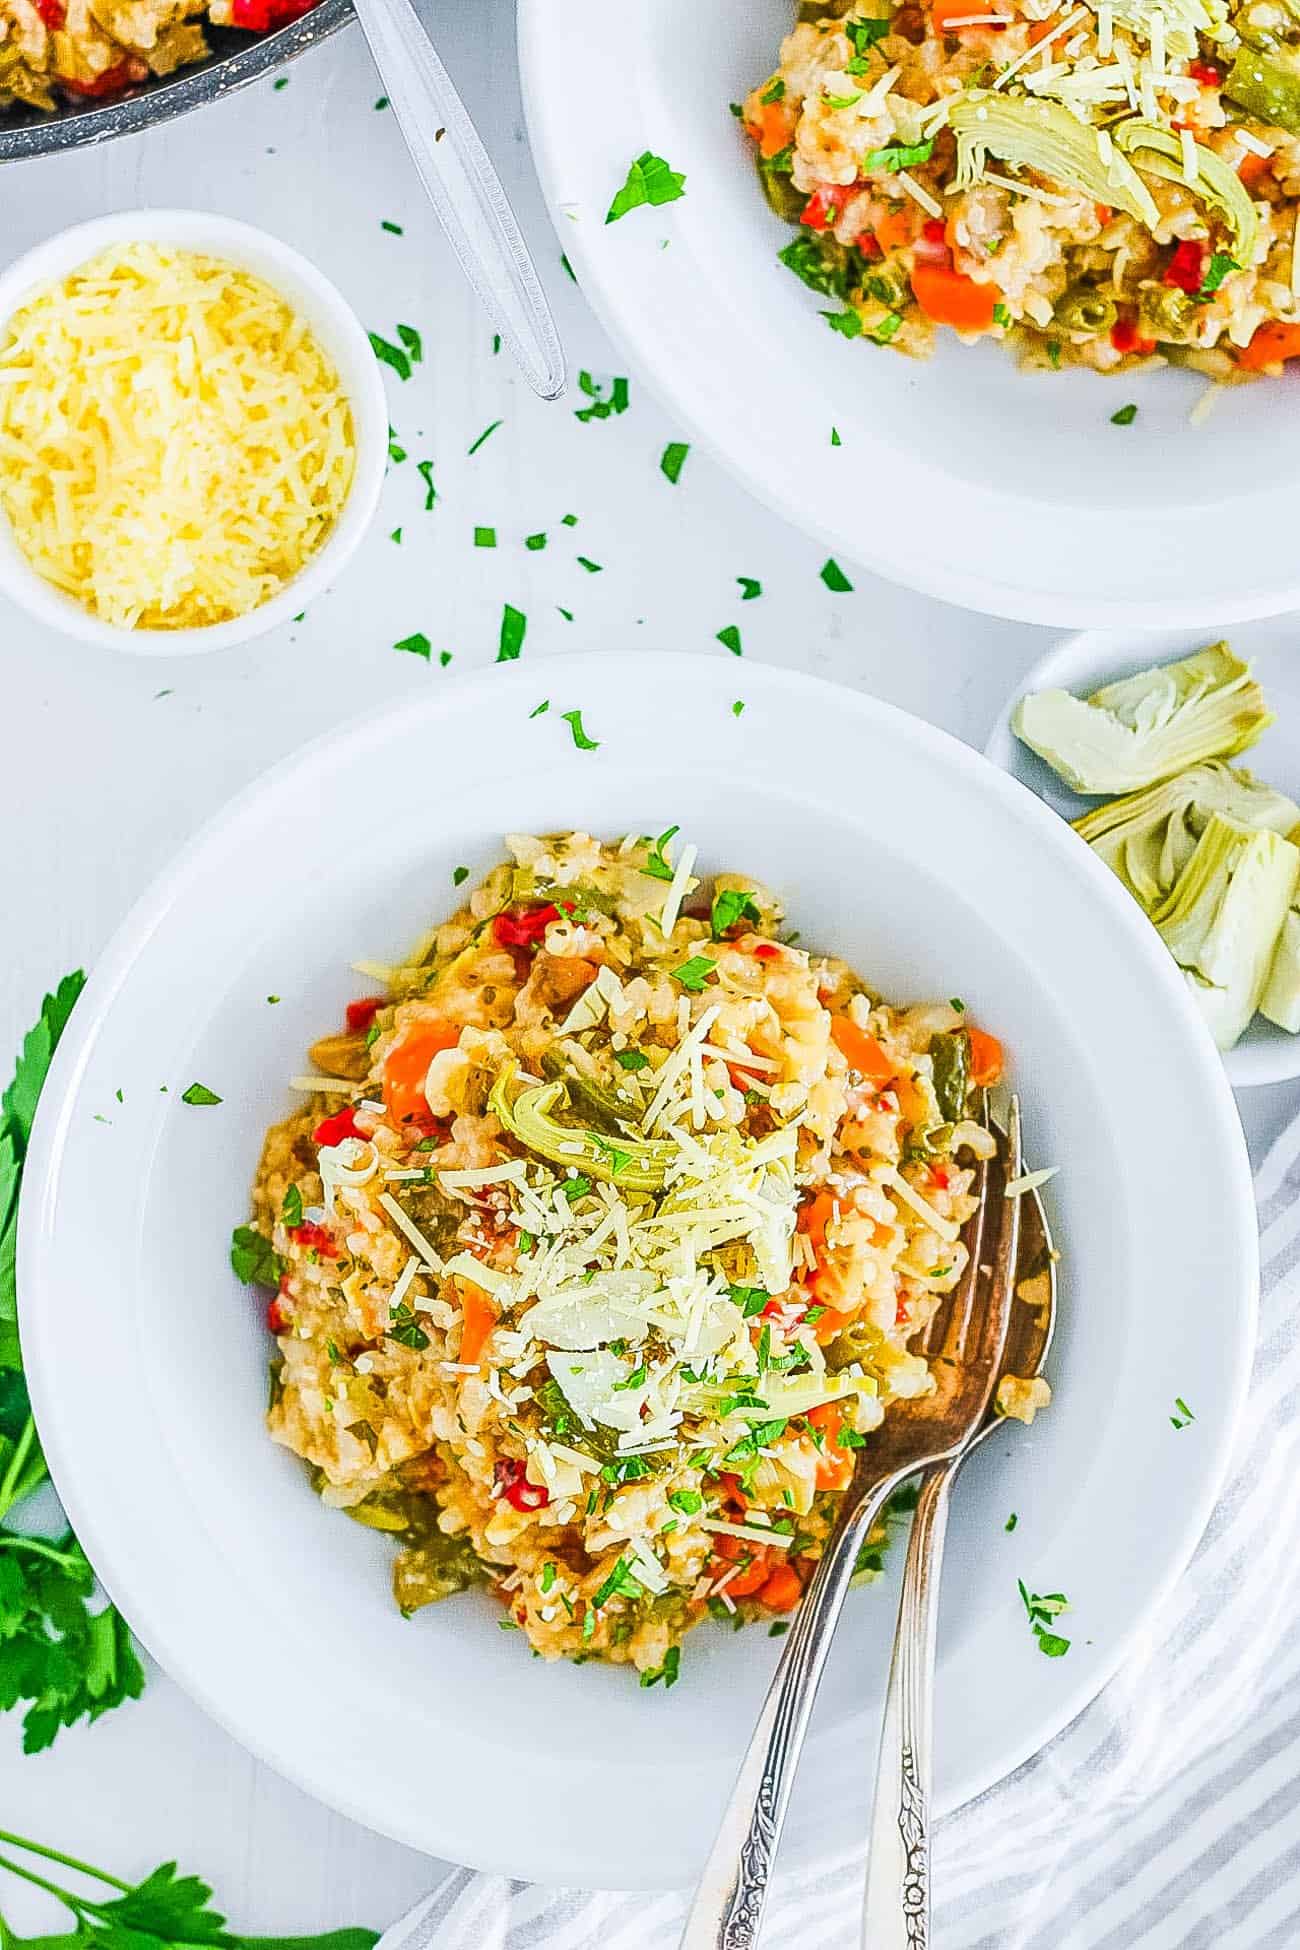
(68, 1661)
(163, 1912)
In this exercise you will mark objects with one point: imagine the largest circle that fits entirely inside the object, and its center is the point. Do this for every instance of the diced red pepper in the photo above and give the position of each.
(111, 82)
(361, 1013)
(315, 1238)
(869, 245)
(825, 206)
(515, 1487)
(52, 12)
(261, 15)
(277, 1321)
(766, 951)
(1124, 336)
(342, 1124)
(1186, 268)
(1202, 71)
(524, 930)
(939, 1176)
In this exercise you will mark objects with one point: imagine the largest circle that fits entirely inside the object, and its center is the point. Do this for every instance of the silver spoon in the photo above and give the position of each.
(464, 189)
(896, 1905)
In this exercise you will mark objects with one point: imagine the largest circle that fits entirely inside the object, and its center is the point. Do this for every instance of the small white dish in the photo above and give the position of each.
(962, 477)
(1084, 663)
(341, 335)
(936, 876)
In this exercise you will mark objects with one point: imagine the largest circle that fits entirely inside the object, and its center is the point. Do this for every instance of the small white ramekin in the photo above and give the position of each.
(340, 334)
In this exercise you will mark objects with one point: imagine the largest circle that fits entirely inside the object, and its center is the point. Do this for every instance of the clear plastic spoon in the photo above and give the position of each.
(464, 189)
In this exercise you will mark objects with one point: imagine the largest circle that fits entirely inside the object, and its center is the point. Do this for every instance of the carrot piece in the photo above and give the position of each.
(835, 1465)
(753, 1577)
(407, 1065)
(1273, 341)
(986, 1059)
(775, 128)
(1252, 167)
(1041, 29)
(783, 1589)
(943, 11)
(894, 230)
(860, 1051)
(814, 1219)
(480, 1319)
(950, 298)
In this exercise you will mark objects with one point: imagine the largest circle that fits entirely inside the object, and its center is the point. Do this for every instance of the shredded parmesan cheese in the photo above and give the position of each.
(174, 443)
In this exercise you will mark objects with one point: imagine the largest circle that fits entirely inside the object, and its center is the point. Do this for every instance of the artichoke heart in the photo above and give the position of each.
(1266, 83)
(1147, 838)
(1044, 136)
(635, 1164)
(1160, 153)
(1147, 727)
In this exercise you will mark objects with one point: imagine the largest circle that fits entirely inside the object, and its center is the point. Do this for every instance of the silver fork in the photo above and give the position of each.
(728, 1907)
(896, 1903)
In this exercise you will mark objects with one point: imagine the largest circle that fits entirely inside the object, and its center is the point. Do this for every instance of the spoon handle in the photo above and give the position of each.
(896, 1907)
(464, 189)
(727, 1912)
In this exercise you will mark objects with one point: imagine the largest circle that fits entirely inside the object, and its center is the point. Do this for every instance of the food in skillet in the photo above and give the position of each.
(1105, 183)
(99, 48)
(601, 1245)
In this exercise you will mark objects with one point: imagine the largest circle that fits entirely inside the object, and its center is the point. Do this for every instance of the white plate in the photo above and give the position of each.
(964, 477)
(894, 844)
(1084, 663)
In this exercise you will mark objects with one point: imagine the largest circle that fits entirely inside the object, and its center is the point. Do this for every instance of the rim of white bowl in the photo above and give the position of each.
(113, 969)
(342, 336)
(1275, 1058)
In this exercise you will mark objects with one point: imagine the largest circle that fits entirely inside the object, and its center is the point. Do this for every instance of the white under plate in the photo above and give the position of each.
(1265, 1054)
(962, 476)
(892, 844)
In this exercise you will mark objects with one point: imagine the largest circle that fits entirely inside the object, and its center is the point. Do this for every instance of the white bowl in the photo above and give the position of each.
(340, 334)
(936, 876)
(1265, 1054)
(964, 477)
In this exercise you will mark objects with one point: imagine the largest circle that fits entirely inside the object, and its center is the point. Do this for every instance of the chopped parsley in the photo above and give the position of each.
(673, 459)
(576, 1187)
(668, 1671)
(750, 1299)
(404, 1327)
(815, 267)
(424, 468)
(730, 640)
(865, 33)
(620, 1583)
(444, 658)
(848, 323)
(548, 1577)
(1184, 1415)
(898, 155)
(568, 521)
(656, 865)
(689, 1502)
(601, 405)
(1011, 1522)
(574, 721)
(835, 437)
(459, 876)
(396, 452)
(198, 1093)
(485, 538)
(738, 707)
(514, 624)
(592, 568)
(774, 92)
(535, 542)
(568, 267)
(649, 180)
(253, 1258)
(1218, 268)
(1001, 316)
(418, 645)
(631, 1059)
(396, 535)
(393, 229)
(291, 1210)
(1125, 416)
(841, 101)
(545, 705)
(693, 974)
(731, 905)
(834, 578)
(750, 587)
(485, 435)
(1041, 1610)
(392, 355)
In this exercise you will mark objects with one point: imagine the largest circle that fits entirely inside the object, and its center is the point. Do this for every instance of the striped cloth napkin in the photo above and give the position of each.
(1167, 1817)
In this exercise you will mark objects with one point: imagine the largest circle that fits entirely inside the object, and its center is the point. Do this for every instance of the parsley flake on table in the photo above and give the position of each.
(545, 705)
(396, 452)
(649, 180)
(444, 658)
(382, 102)
(535, 542)
(738, 708)
(574, 721)
(281, 81)
(673, 459)
(1011, 1522)
(835, 437)
(1041, 1610)
(693, 974)
(1125, 416)
(417, 644)
(459, 876)
(393, 229)
(834, 578)
(568, 521)
(592, 568)
(567, 614)
(198, 1093)
(730, 639)
(1183, 1416)
(485, 435)
(424, 468)
(750, 587)
(568, 267)
(601, 404)
(485, 538)
(513, 626)
(396, 535)
(392, 355)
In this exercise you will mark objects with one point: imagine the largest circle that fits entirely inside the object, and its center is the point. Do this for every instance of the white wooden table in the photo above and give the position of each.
(110, 762)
